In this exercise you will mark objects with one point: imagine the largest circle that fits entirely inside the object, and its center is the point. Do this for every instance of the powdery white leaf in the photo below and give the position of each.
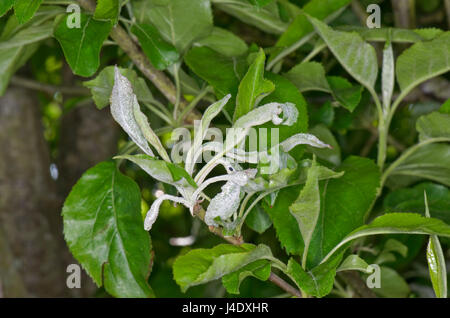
(201, 130)
(122, 101)
(147, 131)
(226, 203)
(153, 212)
(387, 75)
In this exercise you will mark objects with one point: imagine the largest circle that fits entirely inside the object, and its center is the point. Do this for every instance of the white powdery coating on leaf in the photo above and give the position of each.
(303, 139)
(122, 99)
(152, 214)
(226, 203)
(290, 114)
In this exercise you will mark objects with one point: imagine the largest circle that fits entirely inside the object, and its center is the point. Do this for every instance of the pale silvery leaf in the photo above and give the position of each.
(302, 139)
(255, 156)
(201, 130)
(122, 100)
(257, 116)
(152, 214)
(165, 172)
(436, 261)
(290, 113)
(387, 76)
(147, 131)
(226, 203)
(271, 111)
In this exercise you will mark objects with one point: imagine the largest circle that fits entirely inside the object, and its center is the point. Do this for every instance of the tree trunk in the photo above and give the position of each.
(87, 137)
(29, 206)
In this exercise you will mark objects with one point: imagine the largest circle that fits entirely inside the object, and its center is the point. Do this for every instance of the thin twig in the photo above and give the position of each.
(49, 89)
(158, 78)
(275, 279)
(447, 11)
(359, 11)
(353, 279)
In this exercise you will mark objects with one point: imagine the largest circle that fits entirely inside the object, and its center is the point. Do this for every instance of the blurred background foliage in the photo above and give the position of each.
(355, 133)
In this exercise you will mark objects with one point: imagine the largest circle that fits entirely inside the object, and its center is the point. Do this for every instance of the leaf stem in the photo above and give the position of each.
(194, 103)
(159, 113)
(382, 129)
(49, 89)
(408, 153)
(176, 75)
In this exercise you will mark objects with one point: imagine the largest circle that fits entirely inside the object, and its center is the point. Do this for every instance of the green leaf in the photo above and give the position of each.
(344, 92)
(392, 285)
(344, 205)
(317, 282)
(433, 125)
(258, 220)
(200, 266)
(260, 3)
(25, 9)
(357, 57)
(333, 155)
(101, 86)
(311, 76)
(300, 27)
(253, 87)
(354, 263)
(107, 10)
(429, 162)
(390, 246)
(436, 262)
(412, 200)
(395, 35)
(162, 170)
(5, 6)
(160, 53)
(436, 265)
(104, 230)
(224, 42)
(306, 208)
(423, 61)
(445, 108)
(287, 230)
(179, 22)
(28, 35)
(266, 18)
(396, 223)
(221, 72)
(259, 269)
(81, 46)
(18, 48)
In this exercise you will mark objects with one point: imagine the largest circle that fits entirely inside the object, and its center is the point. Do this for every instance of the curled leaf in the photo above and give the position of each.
(152, 214)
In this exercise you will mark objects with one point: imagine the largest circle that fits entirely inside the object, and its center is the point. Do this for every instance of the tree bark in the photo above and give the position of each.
(87, 137)
(29, 206)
